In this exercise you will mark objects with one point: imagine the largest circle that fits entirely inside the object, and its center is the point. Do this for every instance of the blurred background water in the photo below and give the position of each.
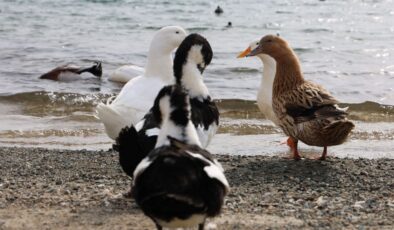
(345, 45)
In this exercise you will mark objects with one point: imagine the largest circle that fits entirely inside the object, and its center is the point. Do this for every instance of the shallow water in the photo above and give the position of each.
(345, 45)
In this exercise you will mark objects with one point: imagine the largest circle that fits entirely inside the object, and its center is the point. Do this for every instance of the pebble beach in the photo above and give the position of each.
(67, 189)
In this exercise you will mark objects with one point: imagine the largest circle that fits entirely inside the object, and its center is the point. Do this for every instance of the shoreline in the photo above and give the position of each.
(67, 189)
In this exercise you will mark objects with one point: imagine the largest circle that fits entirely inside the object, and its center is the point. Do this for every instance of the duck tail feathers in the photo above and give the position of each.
(130, 152)
(113, 121)
(339, 130)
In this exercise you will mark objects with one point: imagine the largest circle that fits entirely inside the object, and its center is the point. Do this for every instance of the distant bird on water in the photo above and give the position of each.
(71, 73)
(178, 185)
(305, 110)
(218, 10)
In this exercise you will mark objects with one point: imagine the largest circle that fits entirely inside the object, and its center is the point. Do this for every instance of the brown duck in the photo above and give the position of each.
(305, 110)
(69, 73)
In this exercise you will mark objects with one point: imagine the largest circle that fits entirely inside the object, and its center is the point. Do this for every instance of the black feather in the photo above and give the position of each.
(204, 112)
(130, 152)
(302, 114)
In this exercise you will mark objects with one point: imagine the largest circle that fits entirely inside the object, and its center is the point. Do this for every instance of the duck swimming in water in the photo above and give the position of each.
(70, 73)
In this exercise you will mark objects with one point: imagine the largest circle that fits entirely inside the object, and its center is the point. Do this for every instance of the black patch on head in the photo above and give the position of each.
(183, 51)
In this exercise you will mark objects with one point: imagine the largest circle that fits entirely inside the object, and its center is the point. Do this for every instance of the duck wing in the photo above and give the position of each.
(310, 101)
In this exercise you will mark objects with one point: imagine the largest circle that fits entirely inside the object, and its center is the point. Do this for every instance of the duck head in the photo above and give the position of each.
(193, 55)
(271, 45)
(194, 51)
(266, 59)
(168, 38)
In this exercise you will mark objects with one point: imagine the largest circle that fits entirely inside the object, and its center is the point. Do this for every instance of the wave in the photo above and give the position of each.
(41, 103)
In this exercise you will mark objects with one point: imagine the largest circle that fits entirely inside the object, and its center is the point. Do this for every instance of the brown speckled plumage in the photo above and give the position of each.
(306, 111)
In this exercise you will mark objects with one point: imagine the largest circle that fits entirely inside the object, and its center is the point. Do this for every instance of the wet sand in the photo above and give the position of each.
(64, 189)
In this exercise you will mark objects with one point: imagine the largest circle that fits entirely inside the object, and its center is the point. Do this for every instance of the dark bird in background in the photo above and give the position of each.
(69, 73)
(218, 10)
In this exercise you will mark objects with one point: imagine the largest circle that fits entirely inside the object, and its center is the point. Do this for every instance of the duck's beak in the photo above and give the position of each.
(254, 52)
(245, 52)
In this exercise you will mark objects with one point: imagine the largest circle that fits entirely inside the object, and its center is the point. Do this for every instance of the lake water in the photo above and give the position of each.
(345, 45)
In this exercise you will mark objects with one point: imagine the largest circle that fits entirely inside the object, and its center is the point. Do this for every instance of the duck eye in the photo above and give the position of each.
(177, 32)
(270, 40)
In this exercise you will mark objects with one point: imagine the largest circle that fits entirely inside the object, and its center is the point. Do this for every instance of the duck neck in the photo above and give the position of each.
(186, 134)
(267, 80)
(159, 63)
(192, 81)
(288, 73)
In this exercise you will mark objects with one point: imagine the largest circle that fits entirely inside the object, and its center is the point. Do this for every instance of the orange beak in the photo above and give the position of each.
(245, 52)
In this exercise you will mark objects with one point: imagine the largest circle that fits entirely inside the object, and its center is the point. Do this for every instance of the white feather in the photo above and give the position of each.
(192, 79)
(68, 76)
(139, 125)
(212, 170)
(113, 121)
(126, 73)
(144, 164)
(152, 132)
(264, 96)
(206, 135)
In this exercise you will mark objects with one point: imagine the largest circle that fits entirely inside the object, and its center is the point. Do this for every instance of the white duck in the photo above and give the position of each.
(137, 96)
(264, 95)
(125, 73)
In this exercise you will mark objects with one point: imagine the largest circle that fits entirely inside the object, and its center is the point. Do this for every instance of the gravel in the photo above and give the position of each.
(62, 189)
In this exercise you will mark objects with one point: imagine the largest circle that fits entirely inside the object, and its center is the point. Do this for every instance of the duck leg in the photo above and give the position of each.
(129, 193)
(158, 227)
(201, 226)
(291, 144)
(324, 154)
(296, 154)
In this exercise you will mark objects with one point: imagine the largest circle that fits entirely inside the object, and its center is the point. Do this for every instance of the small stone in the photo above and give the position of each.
(359, 204)
(321, 202)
